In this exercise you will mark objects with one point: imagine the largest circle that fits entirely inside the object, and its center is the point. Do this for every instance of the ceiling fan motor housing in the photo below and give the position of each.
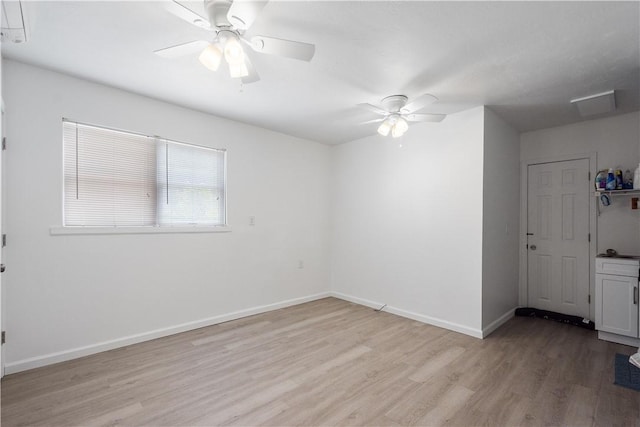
(394, 103)
(217, 11)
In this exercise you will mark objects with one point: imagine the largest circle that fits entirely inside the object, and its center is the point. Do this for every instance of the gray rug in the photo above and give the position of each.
(627, 375)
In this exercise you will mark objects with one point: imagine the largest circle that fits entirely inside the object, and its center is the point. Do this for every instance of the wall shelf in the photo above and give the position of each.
(635, 192)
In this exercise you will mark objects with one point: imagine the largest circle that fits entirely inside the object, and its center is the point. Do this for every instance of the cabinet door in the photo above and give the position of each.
(616, 311)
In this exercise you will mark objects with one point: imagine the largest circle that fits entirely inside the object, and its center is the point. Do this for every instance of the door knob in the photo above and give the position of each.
(533, 247)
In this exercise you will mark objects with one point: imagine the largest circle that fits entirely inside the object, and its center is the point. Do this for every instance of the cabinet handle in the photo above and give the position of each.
(635, 295)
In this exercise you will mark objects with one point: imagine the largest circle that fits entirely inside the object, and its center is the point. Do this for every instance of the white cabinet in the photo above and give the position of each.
(617, 313)
(617, 299)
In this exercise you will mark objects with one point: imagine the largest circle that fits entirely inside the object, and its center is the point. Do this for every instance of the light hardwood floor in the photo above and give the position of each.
(330, 362)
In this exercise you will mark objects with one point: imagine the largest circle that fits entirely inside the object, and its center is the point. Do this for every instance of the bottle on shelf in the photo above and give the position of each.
(627, 180)
(611, 180)
(618, 175)
(601, 180)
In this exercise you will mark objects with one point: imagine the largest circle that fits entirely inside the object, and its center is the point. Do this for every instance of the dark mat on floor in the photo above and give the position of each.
(627, 375)
(558, 317)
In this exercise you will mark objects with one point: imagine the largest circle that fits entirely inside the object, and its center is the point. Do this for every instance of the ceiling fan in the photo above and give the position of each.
(396, 112)
(228, 20)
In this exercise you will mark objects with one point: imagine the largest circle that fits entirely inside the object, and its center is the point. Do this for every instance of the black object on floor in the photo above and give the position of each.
(558, 317)
(627, 375)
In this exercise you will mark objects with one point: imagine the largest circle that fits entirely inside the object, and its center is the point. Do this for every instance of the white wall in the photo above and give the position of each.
(407, 222)
(429, 228)
(72, 292)
(501, 219)
(616, 140)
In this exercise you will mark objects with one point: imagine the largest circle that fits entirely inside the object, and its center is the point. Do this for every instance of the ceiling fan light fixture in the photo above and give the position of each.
(211, 57)
(238, 70)
(233, 52)
(384, 128)
(399, 128)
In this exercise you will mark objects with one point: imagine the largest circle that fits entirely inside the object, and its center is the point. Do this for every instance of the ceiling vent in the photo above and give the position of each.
(599, 103)
(13, 24)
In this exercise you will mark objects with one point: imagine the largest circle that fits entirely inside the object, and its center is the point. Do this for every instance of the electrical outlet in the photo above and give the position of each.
(252, 221)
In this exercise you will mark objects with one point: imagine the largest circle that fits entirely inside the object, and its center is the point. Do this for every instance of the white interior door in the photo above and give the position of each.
(558, 237)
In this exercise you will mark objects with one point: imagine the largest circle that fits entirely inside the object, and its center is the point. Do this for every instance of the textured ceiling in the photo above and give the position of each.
(525, 60)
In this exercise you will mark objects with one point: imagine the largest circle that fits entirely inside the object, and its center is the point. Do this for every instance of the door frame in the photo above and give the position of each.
(592, 157)
(3, 131)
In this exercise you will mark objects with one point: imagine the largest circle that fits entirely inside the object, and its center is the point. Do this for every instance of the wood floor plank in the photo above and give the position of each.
(436, 364)
(330, 362)
(113, 417)
(449, 404)
(414, 407)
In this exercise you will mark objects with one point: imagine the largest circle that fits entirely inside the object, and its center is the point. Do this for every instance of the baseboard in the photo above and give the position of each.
(498, 322)
(476, 333)
(48, 359)
(620, 339)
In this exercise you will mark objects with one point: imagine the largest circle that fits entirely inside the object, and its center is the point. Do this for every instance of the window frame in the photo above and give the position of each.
(142, 229)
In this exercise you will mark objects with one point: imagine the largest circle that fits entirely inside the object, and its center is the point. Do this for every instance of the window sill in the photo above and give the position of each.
(66, 231)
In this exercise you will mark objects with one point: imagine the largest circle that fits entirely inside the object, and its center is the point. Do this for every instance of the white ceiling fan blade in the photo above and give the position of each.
(187, 14)
(253, 75)
(373, 108)
(242, 13)
(281, 47)
(424, 117)
(419, 103)
(373, 121)
(183, 49)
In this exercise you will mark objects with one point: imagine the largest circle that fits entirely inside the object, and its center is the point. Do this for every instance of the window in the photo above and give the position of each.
(120, 179)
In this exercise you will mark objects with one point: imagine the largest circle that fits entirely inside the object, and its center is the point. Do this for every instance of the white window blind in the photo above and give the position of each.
(119, 179)
(109, 177)
(190, 185)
